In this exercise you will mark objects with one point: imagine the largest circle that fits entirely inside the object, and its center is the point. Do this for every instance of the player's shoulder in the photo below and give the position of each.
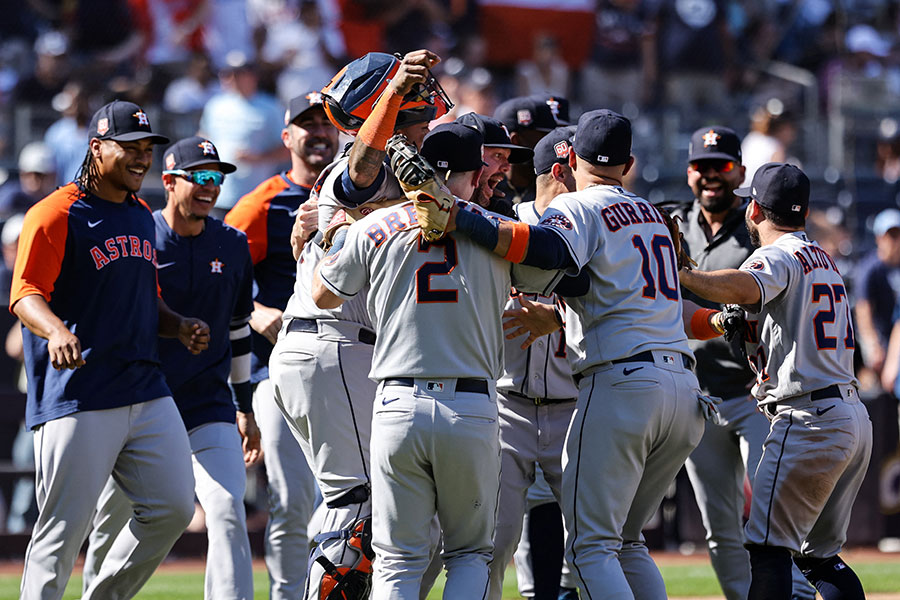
(56, 205)
(264, 192)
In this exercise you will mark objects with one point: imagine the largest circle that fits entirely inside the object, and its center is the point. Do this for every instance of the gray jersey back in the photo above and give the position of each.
(328, 203)
(542, 370)
(436, 307)
(634, 301)
(301, 305)
(804, 333)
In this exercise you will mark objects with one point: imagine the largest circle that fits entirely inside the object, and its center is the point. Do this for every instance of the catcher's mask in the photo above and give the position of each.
(351, 578)
(351, 94)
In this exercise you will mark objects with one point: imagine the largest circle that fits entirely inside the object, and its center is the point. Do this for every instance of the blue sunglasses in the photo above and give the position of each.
(199, 177)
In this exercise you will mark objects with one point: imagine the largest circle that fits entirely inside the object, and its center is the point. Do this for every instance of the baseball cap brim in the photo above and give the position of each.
(714, 156)
(293, 116)
(138, 135)
(744, 192)
(517, 154)
(222, 165)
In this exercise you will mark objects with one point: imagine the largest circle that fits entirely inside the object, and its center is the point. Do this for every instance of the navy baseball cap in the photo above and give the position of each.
(528, 112)
(714, 143)
(194, 151)
(559, 107)
(302, 103)
(453, 147)
(553, 148)
(603, 138)
(496, 136)
(782, 188)
(123, 122)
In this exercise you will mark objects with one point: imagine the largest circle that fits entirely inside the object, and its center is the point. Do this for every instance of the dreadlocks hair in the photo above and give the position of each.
(88, 174)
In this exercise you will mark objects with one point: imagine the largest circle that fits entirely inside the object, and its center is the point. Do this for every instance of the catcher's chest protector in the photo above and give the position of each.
(351, 548)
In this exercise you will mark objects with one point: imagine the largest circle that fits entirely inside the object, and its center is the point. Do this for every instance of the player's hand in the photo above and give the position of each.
(64, 349)
(305, 225)
(533, 318)
(266, 321)
(194, 334)
(413, 69)
(250, 437)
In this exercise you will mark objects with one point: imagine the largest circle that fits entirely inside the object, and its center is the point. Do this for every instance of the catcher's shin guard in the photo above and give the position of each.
(346, 557)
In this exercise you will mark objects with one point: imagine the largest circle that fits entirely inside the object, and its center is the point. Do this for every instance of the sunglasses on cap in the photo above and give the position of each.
(721, 166)
(199, 177)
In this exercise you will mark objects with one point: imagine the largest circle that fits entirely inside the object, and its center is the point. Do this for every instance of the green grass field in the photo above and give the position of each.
(879, 576)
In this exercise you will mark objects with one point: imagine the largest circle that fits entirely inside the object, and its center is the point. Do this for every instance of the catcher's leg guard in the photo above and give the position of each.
(345, 557)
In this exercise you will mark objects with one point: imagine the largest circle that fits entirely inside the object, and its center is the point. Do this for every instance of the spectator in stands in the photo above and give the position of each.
(51, 69)
(66, 136)
(246, 124)
(172, 31)
(877, 292)
(190, 92)
(615, 73)
(37, 178)
(690, 57)
(546, 72)
(772, 131)
(887, 160)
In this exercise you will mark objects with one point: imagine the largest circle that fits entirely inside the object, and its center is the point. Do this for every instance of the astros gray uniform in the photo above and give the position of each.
(435, 446)
(536, 397)
(319, 370)
(820, 439)
(637, 417)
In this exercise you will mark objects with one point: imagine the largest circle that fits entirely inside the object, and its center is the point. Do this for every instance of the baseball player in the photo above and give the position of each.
(536, 393)
(435, 446)
(639, 411)
(320, 364)
(499, 153)
(84, 286)
(715, 237)
(204, 268)
(267, 216)
(820, 436)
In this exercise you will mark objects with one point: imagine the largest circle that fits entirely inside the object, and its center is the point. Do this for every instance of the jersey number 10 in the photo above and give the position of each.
(663, 252)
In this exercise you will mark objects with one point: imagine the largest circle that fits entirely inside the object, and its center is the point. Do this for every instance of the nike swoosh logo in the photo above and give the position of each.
(94, 224)
(387, 401)
(164, 265)
(627, 371)
(822, 411)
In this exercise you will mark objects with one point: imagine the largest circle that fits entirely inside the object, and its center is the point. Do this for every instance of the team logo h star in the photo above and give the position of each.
(710, 138)
(141, 116)
(207, 147)
(558, 220)
(216, 266)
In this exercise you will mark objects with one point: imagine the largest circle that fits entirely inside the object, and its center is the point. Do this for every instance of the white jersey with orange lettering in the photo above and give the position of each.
(435, 446)
(634, 303)
(638, 414)
(804, 331)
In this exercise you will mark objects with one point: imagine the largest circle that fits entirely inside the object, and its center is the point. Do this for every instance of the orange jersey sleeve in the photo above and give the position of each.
(42, 245)
(251, 215)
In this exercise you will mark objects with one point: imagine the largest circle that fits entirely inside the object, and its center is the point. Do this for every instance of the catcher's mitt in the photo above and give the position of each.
(684, 259)
(433, 203)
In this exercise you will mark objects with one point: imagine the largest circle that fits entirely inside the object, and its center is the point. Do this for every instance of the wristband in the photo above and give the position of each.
(702, 325)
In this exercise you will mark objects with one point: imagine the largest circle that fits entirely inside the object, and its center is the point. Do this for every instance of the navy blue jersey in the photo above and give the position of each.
(267, 215)
(93, 261)
(208, 276)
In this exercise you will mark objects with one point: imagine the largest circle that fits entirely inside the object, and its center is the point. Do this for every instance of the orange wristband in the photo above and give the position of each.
(700, 326)
(379, 126)
(519, 244)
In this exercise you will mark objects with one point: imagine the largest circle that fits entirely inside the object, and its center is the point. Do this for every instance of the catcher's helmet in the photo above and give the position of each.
(351, 94)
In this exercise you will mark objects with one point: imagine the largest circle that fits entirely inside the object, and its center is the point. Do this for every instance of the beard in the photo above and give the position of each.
(718, 205)
(754, 233)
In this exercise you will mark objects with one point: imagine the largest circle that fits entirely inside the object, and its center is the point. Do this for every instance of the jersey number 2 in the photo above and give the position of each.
(835, 294)
(424, 292)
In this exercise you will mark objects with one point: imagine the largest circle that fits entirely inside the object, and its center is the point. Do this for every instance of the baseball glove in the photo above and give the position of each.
(732, 322)
(433, 203)
(684, 259)
(339, 220)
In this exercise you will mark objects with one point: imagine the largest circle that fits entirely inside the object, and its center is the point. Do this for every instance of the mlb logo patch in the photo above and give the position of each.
(668, 359)
(434, 386)
(442, 164)
(523, 117)
(603, 159)
(561, 149)
(102, 125)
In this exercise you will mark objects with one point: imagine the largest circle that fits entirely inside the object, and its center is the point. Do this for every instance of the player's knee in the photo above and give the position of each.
(832, 577)
(223, 507)
(770, 568)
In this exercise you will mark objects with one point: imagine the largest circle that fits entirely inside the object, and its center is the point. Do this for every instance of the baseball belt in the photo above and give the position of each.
(312, 326)
(832, 391)
(470, 386)
(538, 401)
(645, 356)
